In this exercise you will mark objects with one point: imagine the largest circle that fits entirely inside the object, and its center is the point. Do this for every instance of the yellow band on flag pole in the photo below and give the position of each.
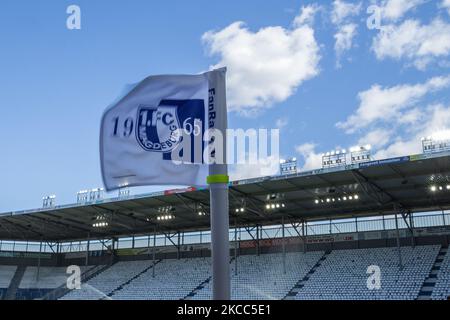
(217, 178)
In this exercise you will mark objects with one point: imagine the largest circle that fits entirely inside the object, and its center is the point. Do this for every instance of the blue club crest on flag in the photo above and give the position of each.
(161, 129)
(158, 128)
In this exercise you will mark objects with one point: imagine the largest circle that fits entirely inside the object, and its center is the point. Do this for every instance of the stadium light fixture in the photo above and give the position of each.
(276, 206)
(438, 188)
(241, 208)
(335, 158)
(100, 221)
(360, 154)
(329, 200)
(201, 211)
(92, 195)
(165, 217)
(288, 166)
(49, 201)
(166, 209)
(124, 192)
(275, 202)
(96, 194)
(437, 142)
(82, 196)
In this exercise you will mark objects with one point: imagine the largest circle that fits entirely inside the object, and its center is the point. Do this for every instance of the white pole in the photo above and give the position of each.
(220, 249)
(218, 189)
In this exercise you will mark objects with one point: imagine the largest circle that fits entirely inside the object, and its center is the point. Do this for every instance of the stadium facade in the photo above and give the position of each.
(307, 235)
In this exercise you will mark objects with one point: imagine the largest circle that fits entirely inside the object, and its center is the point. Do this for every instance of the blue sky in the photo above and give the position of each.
(383, 87)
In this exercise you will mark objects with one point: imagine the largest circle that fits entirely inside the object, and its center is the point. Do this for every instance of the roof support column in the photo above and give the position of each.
(257, 240)
(399, 250)
(305, 236)
(113, 249)
(39, 261)
(283, 244)
(411, 224)
(178, 245)
(154, 251)
(235, 247)
(88, 248)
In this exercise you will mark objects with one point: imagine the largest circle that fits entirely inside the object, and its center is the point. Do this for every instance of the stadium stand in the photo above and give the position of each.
(262, 277)
(316, 275)
(442, 287)
(6, 275)
(50, 278)
(174, 280)
(104, 284)
(342, 275)
(375, 204)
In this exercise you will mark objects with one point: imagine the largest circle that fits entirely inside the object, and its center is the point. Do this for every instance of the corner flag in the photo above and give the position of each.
(144, 131)
(167, 130)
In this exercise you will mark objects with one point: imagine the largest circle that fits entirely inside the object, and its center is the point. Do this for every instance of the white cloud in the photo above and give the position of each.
(266, 66)
(346, 31)
(393, 120)
(267, 167)
(307, 15)
(401, 140)
(419, 44)
(393, 10)
(446, 5)
(281, 123)
(435, 118)
(343, 10)
(383, 104)
(377, 138)
(344, 39)
(312, 160)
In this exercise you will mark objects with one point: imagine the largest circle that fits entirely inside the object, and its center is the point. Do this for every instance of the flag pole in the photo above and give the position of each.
(218, 190)
(220, 249)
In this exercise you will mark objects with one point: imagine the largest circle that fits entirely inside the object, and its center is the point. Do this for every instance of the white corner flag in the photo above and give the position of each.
(171, 130)
(159, 123)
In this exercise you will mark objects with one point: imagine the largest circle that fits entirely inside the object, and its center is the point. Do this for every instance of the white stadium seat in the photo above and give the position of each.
(337, 275)
(343, 274)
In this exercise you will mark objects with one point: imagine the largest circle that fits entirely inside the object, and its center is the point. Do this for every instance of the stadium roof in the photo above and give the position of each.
(382, 187)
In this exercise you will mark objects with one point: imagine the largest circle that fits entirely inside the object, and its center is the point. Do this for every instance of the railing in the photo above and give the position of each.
(420, 220)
